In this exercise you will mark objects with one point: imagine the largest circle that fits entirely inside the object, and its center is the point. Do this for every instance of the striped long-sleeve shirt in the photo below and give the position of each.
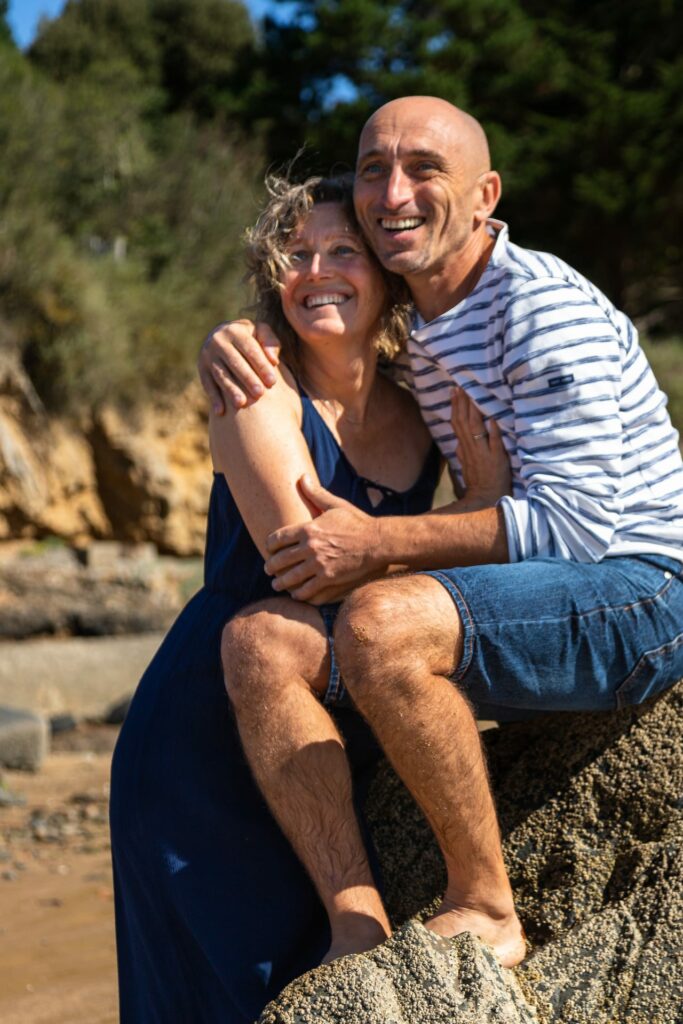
(595, 461)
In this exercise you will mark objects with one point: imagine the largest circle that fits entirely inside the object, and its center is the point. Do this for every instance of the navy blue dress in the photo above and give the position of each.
(214, 912)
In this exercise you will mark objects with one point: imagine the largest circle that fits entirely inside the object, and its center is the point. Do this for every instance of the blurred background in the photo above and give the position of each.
(134, 137)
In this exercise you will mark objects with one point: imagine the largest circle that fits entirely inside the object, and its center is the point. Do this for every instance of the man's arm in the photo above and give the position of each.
(345, 547)
(236, 363)
(563, 363)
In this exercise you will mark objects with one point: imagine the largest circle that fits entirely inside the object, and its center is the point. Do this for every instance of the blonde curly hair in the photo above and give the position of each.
(266, 257)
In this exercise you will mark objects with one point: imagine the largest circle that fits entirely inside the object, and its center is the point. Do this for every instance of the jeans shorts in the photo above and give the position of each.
(335, 694)
(547, 634)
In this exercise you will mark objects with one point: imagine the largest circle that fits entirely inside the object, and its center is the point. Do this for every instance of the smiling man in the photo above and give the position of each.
(568, 594)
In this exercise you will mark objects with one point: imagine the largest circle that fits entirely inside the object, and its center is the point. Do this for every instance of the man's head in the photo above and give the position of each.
(424, 185)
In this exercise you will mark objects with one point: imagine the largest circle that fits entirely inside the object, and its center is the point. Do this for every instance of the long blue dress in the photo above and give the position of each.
(214, 912)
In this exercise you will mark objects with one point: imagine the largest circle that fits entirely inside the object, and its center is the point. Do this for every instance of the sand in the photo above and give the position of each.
(591, 810)
(57, 947)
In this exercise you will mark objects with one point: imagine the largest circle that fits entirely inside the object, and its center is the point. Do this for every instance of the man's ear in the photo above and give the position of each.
(490, 189)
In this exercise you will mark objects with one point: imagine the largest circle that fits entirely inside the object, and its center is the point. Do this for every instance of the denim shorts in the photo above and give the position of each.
(547, 634)
(335, 694)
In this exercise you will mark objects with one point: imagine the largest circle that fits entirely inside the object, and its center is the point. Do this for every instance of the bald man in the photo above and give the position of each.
(568, 594)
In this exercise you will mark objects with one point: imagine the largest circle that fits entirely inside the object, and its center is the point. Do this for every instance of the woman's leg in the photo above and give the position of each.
(277, 662)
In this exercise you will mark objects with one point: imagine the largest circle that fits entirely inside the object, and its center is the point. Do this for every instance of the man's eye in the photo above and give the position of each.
(425, 166)
(370, 170)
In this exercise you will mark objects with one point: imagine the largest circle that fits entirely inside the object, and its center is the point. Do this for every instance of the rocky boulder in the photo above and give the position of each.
(591, 810)
(136, 476)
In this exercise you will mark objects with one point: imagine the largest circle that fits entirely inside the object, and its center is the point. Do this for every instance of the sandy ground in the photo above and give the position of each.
(57, 948)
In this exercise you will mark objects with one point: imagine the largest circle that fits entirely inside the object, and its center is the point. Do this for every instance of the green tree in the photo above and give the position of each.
(581, 103)
(5, 33)
(195, 52)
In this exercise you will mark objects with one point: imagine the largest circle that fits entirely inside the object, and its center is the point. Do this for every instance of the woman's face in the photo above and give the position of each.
(333, 288)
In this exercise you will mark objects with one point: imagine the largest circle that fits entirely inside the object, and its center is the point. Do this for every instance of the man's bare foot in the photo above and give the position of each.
(504, 934)
(362, 936)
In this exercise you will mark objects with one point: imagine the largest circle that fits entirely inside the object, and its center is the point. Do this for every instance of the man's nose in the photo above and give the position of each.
(397, 190)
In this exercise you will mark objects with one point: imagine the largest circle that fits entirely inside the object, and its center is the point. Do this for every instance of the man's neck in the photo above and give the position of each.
(439, 289)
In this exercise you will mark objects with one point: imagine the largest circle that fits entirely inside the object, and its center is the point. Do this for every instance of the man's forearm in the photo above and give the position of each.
(443, 539)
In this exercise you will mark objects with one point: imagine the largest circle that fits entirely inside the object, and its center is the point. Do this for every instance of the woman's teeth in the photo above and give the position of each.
(401, 223)
(324, 300)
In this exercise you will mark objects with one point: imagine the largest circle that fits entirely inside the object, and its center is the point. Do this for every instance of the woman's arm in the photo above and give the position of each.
(261, 451)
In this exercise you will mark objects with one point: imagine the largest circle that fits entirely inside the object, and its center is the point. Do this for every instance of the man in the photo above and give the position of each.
(569, 593)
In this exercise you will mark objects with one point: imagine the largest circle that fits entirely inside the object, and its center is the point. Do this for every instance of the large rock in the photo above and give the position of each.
(61, 591)
(24, 739)
(591, 809)
(48, 483)
(154, 473)
(133, 476)
(86, 677)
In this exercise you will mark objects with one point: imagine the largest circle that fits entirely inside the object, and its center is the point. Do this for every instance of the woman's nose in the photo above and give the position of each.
(317, 265)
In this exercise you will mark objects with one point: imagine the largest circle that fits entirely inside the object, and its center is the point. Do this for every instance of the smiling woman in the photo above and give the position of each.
(217, 905)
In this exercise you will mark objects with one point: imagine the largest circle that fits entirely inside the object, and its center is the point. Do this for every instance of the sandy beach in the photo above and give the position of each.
(57, 947)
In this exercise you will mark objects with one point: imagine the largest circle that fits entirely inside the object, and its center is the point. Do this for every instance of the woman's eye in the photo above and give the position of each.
(298, 256)
(344, 250)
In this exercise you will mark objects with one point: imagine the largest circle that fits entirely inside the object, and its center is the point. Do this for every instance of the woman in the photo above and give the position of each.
(214, 911)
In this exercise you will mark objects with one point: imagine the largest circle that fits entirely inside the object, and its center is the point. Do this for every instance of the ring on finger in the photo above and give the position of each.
(478, 437)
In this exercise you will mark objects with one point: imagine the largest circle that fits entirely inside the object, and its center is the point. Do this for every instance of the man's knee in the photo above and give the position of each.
(390, 629)
(270, 644)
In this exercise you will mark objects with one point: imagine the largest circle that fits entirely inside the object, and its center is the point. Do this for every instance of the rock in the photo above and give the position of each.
(116, 714)
(24, 739)
(83, 676)
(415, 976)
(141, 476)
(592, 821)
(51, 592)
(154, 472)
(62, 723)
(48, 483)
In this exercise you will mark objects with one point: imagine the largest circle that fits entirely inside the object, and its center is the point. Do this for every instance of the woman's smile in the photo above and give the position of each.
(332, 285)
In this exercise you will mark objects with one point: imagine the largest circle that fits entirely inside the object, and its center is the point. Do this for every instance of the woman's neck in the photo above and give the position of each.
(343, 381)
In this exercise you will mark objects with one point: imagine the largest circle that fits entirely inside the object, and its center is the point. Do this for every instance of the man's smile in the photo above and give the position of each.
(396, 224)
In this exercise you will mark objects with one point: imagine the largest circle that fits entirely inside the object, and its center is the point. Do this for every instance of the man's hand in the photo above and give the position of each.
(236, 360)
(481, 453)
(323, 560)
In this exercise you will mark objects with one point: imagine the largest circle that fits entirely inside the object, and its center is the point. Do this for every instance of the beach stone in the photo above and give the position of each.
(24, 739)
(591, 812)
(414, 976)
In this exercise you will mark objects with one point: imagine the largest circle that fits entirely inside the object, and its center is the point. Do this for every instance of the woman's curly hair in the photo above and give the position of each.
(266, 257)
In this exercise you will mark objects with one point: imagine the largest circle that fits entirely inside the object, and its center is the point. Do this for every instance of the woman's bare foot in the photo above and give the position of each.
(504, 934)
(357, 936)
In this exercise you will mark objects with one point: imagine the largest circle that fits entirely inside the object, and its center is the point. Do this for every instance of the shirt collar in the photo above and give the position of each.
(498, 229)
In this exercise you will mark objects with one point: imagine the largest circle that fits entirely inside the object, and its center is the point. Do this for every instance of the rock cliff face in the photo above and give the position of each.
(591, 810)
(142, 477)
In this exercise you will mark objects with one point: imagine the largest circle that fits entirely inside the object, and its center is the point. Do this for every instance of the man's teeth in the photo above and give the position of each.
(401, 223)
(325, 300)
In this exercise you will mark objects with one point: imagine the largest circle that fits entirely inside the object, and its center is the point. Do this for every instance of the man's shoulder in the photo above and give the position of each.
(537, 276)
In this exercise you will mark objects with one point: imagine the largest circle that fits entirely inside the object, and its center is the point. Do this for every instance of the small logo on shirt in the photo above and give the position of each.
(561, 382)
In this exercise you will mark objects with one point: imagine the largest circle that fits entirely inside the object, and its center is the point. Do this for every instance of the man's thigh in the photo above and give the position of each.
(551, 635)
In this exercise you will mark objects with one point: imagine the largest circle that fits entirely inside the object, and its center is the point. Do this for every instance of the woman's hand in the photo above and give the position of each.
(484, 461)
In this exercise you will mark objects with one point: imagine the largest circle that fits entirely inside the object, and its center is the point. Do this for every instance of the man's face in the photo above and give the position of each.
(415, 191)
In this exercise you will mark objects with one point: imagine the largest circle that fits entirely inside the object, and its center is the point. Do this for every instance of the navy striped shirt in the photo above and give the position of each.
(595, 461)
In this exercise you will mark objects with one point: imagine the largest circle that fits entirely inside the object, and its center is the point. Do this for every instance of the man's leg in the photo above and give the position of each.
(397, 641)
(276, 663)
